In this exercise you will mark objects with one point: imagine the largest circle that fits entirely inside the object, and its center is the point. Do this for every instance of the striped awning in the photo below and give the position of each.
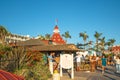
(4, 75)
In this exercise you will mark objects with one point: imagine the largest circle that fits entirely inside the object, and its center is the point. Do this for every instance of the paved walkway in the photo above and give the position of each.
(109, 74)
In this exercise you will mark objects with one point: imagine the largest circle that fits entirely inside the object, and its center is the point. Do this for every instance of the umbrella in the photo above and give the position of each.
(4, 75)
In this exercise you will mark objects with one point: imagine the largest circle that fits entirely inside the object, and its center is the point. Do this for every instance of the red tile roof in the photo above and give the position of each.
(56, 37)
(116, 48)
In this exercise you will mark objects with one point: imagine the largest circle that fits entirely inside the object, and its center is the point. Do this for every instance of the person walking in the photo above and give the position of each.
(117, 60)
(50, 60)
(57, 60)
(78, 62)
(45, 59)
(104, 62)
(93, 63)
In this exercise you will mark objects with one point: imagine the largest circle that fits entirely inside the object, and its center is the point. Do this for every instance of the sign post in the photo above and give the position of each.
(66, 62)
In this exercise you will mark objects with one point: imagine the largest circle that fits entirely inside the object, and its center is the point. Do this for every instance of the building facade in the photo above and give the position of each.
(116, 49)
(16, 38)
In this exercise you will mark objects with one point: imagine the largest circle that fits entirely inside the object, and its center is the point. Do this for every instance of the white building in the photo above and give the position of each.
(15, 38)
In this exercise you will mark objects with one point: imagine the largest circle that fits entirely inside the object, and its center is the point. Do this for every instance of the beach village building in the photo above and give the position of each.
(55, 44)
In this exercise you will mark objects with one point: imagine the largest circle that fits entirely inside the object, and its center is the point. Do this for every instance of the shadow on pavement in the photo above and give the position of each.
(109, 77)
(113, 73)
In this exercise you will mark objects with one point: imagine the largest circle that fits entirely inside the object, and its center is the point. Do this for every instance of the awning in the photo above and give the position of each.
(4, 75)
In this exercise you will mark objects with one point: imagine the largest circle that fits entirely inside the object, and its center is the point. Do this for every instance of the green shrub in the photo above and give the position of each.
(36, 71)
(30, 65)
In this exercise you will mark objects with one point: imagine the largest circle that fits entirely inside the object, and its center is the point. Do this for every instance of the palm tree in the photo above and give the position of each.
(79, 45)
(111, 43)
(90, 44)
(3, 34)
(102, 43)
(84, 36)
(41, 37)
(66, 35)
(108, 44)
(47, 36)
(97, 36)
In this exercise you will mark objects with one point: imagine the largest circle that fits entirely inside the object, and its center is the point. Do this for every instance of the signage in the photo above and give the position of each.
(67, 61)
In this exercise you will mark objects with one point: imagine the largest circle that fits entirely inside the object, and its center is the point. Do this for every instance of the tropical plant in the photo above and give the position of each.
(66, 35)
(112, 41)
(84, 36)
(102, 44)
(47, 36)
(97, 36)
(38, 71)
(90, 44)
(80, 45)
(4, 57)
(28, 64)
(3, 34)
(35, 69)
(41, 37)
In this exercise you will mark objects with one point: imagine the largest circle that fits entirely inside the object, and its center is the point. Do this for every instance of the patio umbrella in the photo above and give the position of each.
(4, 75)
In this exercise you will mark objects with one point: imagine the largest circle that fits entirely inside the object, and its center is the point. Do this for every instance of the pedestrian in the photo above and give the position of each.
(93, 63)
(57, 60)
(83, 59)
(45, 59)
(50, 60)
(78, 62)
(117, 60)
(104, 62)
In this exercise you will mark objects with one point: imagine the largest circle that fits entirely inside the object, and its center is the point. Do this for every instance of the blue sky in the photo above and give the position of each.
(34, 17)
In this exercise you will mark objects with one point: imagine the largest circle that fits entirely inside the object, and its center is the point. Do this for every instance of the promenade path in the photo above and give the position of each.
(109, 74)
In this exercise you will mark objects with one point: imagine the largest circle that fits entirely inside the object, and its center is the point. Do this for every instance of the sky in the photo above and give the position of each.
(38, 17)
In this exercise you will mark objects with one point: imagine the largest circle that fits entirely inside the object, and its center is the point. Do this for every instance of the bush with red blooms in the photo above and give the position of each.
(24, 63)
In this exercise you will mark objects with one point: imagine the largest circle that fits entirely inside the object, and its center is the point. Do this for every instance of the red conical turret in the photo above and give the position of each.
(56, 37)
(56, 29)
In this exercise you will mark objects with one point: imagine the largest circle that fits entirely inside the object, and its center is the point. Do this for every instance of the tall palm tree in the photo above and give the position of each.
(102, 43)
(84, 36)
(108, 43)
(3, 33)
(66, 35)
(97, 36)
(111, 43)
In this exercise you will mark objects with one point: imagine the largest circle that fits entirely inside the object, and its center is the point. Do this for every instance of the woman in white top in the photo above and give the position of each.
(117, 64)
(50, 60)
(78, 62)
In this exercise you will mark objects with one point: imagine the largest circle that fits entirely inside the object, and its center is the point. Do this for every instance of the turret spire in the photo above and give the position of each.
(56, 21)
